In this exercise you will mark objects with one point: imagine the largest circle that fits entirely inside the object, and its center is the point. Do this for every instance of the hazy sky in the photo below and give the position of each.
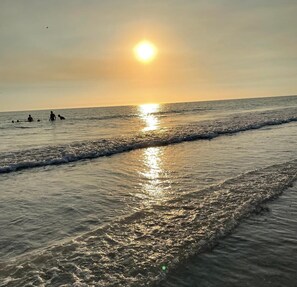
(207, 49)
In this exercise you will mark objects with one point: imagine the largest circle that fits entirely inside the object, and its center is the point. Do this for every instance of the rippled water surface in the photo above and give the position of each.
(260, 252)
(134, 196)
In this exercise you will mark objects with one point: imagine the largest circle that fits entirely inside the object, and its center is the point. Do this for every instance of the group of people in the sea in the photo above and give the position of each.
(52, 118)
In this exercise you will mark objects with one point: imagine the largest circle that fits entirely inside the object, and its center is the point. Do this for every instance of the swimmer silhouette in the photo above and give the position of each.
(30, 119)
(61, 117)
(52, 117)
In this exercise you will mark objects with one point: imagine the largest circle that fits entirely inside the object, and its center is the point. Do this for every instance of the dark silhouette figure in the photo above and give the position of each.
(52, 117)
(38, 120)
(61, 117)
(12, 121)
(18, 121)
(30, 119)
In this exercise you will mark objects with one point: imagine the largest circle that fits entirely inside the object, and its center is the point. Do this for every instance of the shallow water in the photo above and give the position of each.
(119, 220)
(260, 252)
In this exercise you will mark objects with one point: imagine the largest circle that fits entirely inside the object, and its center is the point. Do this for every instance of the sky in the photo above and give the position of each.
(79, 53)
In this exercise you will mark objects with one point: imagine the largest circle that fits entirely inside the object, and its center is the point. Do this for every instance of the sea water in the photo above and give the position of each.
(142, 195)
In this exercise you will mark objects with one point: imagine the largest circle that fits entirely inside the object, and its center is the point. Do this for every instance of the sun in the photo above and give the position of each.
(145, 51)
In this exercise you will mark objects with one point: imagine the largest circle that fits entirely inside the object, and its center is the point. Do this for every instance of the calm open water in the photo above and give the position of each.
(152, 195)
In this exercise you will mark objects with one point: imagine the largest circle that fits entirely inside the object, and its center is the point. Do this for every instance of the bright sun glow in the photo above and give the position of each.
(149, 108)
(150, 119)
(145, 51)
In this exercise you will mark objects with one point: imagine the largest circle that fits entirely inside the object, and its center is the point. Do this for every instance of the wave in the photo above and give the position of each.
(136, 115)
(22, 127)
(140, 249)
(207, 130)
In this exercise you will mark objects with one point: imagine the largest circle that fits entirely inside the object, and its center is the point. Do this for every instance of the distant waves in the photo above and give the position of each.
(206, 130)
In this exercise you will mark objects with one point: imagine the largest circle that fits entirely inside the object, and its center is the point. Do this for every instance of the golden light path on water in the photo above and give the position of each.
(153, 172)
(146, 113)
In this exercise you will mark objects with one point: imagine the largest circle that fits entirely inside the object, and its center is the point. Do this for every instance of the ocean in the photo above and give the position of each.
(185, 194)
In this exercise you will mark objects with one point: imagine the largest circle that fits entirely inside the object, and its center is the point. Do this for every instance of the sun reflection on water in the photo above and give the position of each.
(155, 182)
(146, 113)
(153, 172)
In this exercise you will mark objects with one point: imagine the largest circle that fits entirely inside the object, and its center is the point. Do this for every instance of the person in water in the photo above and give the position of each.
(52, 117)
(61, 117)
(30, 119)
